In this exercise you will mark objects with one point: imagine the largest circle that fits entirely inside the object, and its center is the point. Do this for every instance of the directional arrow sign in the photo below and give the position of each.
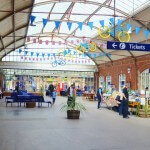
(128, 46)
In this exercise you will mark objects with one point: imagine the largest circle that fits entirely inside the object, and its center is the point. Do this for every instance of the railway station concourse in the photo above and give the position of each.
(68, 56)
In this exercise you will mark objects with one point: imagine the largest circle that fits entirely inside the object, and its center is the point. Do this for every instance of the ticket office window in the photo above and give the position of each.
(122, 81)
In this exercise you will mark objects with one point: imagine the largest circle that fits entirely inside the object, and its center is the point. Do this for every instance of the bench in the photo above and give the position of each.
(19, 98)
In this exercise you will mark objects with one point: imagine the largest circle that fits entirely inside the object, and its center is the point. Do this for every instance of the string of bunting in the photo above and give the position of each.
(66, 53)
(129, 26)
(83, 61)
(47, 42)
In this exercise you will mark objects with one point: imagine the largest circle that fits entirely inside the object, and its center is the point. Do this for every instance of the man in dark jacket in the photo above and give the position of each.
(125, 101)
(99, 96)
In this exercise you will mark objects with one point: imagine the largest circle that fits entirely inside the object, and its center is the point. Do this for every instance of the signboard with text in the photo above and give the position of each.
(128, 46)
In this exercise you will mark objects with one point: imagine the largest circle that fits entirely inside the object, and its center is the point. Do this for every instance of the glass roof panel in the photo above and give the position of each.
(80, 11)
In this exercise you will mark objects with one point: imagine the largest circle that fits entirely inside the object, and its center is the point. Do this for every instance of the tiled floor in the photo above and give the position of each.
(48, 129)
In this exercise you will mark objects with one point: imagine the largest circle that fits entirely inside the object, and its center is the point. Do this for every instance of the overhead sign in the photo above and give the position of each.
(128, 46)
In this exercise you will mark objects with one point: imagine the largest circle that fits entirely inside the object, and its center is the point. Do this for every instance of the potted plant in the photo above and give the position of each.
(73, 108)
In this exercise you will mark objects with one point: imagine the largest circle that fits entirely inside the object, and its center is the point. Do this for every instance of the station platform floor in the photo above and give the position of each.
(48, 129)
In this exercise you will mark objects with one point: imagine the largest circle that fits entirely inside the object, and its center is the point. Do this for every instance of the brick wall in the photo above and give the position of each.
(118, 67)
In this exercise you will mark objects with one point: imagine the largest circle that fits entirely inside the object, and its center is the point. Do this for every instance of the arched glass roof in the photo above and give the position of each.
(50, 40)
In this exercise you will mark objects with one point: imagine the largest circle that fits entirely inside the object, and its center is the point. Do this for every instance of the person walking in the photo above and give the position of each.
(125, 102)
(99, 96)
(71, 92)
(54, 93)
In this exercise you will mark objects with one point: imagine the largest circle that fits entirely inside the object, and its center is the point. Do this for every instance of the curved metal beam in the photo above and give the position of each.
(10, 51)
(17, 11)
(13, 42)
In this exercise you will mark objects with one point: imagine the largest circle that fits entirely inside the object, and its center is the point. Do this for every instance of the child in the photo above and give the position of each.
(54, 93)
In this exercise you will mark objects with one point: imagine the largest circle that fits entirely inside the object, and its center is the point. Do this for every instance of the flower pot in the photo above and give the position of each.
(73, 114)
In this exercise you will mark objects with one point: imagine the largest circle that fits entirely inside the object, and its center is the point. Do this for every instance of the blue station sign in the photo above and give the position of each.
(128, 46)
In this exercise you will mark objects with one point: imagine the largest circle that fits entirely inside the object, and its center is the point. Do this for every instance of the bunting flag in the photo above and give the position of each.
(65, 53)
(44, 22)
(54, 55)
(128, 26)
(69, 51)
(43, 54)
(32, 53)
(137, 30)
(37, 54)
(95, 55)
(90, 55)
(101, 23)
(90, 24)
(146, 32)
(32, 19)
(47, 42)
(119, 22)
(26, 52)
(69, 24)
(20, 50)
(80, 24)
(34, 40)
(57, 24)
(100, 54)
(112, 21)
(40, 41)
(28, 39)
(48, 54)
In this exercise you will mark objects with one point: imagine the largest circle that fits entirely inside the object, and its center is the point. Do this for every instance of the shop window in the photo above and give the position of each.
(122, 81)
(145, 79)
(101, 81)
(108, 83)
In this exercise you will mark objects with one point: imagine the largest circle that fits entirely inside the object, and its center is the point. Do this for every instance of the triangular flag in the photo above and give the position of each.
(26, 52)
(57, 24)
(74, 53)
(90, 55)
(69, 24)
(119, 22)
(43, 54)
(100, 54)
(137, 30)
(65, 53)
(32, 19)
(95, 55)
(128, 26)
(20, 50)
(90, 24)
(80, 25)
(37, 54)
(48, 54)
(32, 53)
(146, 33)
(101, 23)
(112, 21)
(69, 50)
(44, 22)
(54, 54)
